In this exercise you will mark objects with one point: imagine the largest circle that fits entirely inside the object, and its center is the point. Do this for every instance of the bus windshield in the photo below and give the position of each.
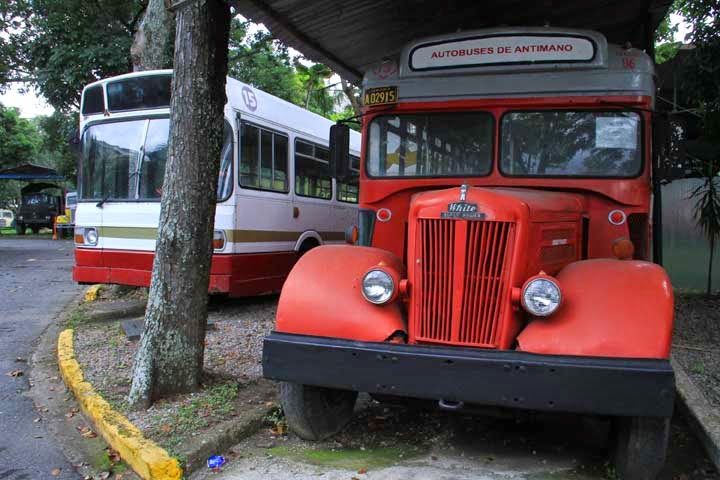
(571, 143)
(430, 145)
(126, 160)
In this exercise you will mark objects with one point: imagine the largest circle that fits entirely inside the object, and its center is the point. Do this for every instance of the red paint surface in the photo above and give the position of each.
(237, 275)
(610, 308)
(322, 295)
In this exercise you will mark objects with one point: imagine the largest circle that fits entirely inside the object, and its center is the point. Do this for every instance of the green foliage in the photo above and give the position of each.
(665, 45)
(70, 43)
(19, 138)
(262, 62)
(56, 131)
(666, 51)
(707, 208)
(701, 73)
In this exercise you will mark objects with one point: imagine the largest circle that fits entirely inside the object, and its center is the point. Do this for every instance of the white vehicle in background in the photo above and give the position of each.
(276, 198)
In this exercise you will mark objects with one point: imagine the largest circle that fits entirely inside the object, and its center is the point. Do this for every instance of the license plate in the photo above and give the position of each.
(380, 96)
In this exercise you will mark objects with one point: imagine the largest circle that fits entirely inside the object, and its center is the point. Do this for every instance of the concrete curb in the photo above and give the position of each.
(148, 460)
(703, 418)
(115, 310)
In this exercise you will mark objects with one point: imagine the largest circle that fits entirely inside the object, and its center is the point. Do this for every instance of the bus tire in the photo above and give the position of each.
(35, 230)
(639, 446)
(316, 413)
(20, 228)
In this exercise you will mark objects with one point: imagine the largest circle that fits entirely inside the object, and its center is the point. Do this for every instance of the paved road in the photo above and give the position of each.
(35, 284)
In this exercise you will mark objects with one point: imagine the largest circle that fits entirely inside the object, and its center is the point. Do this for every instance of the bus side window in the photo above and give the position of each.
(312, 171)
(263, 159)
(348, 192)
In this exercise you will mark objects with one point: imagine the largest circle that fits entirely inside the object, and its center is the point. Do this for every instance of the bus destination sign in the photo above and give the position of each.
(502, 50)
(380, 96)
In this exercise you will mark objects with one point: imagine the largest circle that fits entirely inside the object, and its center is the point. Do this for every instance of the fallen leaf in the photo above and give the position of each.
(434, 457)
(269, 404)
(21, 360)
(165, 428)
(113, 455)
(15, 373)
(69, 415)
(55, 472)
(118, 476)
(90, 434)
(83, 429)
(104, 475)
(362, 471)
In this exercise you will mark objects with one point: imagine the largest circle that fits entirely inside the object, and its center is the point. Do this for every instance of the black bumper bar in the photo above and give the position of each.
(604, 386)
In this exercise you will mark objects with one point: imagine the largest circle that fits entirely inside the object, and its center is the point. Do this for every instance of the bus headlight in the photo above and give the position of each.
(541, 296)
(378, 287)
(91, 236)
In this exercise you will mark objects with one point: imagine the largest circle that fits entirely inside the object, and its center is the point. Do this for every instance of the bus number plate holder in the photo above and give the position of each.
(380, 96)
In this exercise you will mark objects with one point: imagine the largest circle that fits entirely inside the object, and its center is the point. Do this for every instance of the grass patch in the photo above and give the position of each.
(198, 412)
(350, 458)
(77, 317)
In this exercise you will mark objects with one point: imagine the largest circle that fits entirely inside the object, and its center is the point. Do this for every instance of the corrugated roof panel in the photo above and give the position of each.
(350, 35)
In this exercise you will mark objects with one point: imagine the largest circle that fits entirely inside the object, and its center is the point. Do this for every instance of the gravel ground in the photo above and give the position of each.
(232, 362)
(696, 342)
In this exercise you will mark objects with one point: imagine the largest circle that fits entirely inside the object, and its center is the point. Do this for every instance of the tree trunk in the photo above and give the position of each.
(349, 91)
(170, 355)
(152, 46)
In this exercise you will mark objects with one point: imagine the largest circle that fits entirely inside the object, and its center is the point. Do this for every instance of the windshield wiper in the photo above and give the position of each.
(102, 202)
(107, 197)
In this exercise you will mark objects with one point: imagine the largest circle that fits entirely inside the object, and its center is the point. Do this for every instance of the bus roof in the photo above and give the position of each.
(243, 99)
(514, 62)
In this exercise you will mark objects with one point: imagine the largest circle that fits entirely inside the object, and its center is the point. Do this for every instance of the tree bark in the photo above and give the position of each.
(171, 351)
(349, 90)
(152, 46)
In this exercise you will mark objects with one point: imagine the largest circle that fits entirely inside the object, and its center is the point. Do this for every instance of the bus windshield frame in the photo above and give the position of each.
(613, 135)
(137, 146)
(618, 142)
(438, 153)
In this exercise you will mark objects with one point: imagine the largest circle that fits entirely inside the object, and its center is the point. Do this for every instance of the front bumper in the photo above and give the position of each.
(604, 386)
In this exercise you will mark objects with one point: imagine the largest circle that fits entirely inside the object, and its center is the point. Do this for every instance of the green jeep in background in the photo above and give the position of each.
(40, 203)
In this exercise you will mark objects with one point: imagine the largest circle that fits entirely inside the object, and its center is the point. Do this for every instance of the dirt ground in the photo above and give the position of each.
(696, 342)
(232, 363)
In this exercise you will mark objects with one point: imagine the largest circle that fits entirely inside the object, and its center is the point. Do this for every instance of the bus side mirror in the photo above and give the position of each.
(340, 151)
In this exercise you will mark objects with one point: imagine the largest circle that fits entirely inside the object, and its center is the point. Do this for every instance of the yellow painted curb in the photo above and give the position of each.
(92, 292)
(144, 456)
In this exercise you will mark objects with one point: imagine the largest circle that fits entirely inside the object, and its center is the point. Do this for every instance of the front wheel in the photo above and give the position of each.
(640, 446)
(20, 228)
(316, 413)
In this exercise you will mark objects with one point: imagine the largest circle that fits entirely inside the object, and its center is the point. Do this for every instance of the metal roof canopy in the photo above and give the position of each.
(28, 171)
(350, 35)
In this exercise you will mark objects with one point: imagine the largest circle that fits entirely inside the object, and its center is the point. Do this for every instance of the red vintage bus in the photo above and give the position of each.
(501, 252)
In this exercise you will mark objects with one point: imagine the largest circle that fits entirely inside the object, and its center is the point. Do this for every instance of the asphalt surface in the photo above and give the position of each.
(35, 284)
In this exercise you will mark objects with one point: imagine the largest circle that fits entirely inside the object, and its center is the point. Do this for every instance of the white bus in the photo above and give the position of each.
(275, 195)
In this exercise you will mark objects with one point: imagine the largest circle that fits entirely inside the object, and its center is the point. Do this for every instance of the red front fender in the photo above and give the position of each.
(322, 296)
(610, 308)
